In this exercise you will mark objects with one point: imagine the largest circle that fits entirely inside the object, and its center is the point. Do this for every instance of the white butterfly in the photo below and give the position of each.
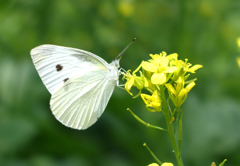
(81, 83)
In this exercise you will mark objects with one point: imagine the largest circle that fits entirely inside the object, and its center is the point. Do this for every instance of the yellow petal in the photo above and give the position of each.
(182, 97)
(146, 98)
(182, 93)
(194, 68)
(171, 88)
(170, 69)
(180, 84)
(145, 81)
(163, 53)
(156, 101)
(164, 61)
(158, 78)
(172, 56)
(149, 66)
(167, 164)
(129, 85)
(154, 56)
(137, 68)
(190, 86)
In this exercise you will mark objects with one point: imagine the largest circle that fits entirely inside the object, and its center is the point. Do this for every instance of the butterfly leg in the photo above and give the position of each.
(121, 71)
(120, 85)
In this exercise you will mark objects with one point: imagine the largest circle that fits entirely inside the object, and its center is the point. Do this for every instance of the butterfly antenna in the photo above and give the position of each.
(121, 53)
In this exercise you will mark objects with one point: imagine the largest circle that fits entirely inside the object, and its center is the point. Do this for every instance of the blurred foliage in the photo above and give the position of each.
(204, 31)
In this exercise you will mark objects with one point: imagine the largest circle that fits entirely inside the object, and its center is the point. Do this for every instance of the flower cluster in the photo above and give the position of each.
(162, 72)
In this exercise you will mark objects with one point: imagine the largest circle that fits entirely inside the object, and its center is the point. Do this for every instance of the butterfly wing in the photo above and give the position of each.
(82, 99)
(57, 64)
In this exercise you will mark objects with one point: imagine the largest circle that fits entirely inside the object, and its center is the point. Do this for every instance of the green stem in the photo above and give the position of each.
(154, 156)
(174, 112)
(170, 128)
(180, 132)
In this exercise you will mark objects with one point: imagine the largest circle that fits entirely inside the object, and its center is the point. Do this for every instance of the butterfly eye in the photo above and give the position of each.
(59, 67)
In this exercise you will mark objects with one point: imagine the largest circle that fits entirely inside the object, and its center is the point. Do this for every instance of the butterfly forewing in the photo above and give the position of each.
(57, 64)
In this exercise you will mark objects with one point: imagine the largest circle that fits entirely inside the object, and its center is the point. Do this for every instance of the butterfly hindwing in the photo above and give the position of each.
(82, 100)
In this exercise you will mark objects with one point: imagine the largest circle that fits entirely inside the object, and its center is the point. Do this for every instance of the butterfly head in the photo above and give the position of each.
(115, 63)
(113, 68)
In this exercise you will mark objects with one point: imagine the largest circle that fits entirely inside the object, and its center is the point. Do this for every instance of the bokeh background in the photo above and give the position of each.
(203, 31)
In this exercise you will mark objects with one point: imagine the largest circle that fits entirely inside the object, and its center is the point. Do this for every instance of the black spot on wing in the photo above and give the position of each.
(59, 67)
(65, 80)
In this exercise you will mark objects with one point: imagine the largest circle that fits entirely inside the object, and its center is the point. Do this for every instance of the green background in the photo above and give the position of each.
(203, 31)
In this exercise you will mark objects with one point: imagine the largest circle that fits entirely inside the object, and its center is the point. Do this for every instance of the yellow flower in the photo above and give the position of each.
(153, 101)
(238, 61)
(178, 94)
(187, 66)
(153, 164)
(238, 42)
(133, 80)
(167, 164)
(238, 58)
(213, 164)
(129, 85)
(160, 67)
(164, 164)
(125, 8)
(130, 81)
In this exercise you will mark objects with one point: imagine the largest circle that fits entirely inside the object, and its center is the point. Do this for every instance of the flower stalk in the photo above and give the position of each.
(170, 130)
